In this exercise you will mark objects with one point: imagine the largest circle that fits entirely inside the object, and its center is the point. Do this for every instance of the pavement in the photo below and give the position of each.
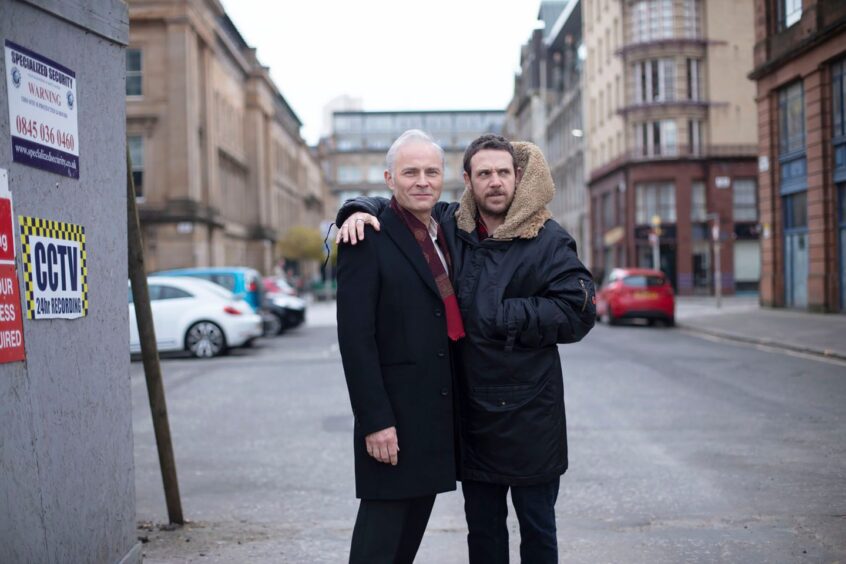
(741, 318)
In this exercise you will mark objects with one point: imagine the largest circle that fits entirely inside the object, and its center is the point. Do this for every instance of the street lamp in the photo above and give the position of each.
(718, 274)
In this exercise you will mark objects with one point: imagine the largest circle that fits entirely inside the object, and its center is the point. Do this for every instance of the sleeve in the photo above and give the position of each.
(564, 313)
(372, 205)
(357, 298)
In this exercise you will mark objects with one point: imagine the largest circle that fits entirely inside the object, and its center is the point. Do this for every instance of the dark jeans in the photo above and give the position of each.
(389, 532)
(486, 508)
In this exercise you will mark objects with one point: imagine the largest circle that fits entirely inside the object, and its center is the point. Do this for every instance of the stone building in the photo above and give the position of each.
(800, 69)
(220, 167)
(671, 139)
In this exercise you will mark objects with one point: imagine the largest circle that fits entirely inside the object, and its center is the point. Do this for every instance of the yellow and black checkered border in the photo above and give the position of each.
(34, 226)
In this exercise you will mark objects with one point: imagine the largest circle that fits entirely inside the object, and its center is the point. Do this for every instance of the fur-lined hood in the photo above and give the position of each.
(528, 212)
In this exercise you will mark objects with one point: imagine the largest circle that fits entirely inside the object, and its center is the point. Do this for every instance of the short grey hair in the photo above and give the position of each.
(412, 135)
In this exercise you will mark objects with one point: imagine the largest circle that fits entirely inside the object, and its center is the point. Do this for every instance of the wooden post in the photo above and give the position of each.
(150, 354)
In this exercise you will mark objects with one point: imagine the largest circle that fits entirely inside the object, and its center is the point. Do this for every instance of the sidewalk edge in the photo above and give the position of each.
(824, 353)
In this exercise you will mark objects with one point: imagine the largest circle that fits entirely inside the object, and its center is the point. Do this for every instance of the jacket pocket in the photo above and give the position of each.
(505, 397)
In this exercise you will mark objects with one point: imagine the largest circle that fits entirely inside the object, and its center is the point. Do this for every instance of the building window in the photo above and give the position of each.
(346, 124)
(838, 106)
(698, 207)
(133, 72)
(608, 217)
(693, 79)
(656, 138)
(348, 144)
(438, 122)
(796, 211)
(745, 197)
(655, 81)
(136, 155)
(349, 174)
(378, 123)
(691, 18)
(790, 12)
(375, 174)
(694, 136)
(655, 198)
(651, 20)
(378, 142)
(792, 119)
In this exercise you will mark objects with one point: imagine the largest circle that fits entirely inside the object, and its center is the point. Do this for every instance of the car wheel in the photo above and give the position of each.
(611, 319)
(205, 339)
(274, 324)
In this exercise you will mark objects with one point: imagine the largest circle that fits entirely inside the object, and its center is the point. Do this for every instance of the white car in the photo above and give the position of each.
(195, 315)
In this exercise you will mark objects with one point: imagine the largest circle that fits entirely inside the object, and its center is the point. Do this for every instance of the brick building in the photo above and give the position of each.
(670, 138)
(800, 69)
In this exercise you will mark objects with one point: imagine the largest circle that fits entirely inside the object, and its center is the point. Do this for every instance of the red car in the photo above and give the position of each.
(636, 293)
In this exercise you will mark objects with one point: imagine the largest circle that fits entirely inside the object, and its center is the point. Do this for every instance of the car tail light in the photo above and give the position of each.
(231, 310)
(252, 286)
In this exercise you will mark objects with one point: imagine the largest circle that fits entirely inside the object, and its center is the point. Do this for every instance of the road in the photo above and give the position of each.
(682, 449)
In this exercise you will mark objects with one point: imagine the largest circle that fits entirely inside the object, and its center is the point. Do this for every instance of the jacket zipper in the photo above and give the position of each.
(584, 289)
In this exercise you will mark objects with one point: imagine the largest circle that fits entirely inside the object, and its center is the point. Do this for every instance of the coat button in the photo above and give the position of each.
(502, 403)
(438, 313)
(441, 354)
(444, 392)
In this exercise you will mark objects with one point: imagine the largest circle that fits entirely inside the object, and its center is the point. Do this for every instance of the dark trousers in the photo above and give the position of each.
(389, 531)
(486, 508)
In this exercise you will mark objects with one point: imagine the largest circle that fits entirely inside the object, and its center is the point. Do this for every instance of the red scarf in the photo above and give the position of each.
(455, 326)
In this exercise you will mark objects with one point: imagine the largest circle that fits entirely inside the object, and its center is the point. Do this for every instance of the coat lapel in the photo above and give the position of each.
(402, 237)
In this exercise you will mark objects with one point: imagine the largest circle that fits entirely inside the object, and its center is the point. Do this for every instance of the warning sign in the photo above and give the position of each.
(11, 320)
(55, 271)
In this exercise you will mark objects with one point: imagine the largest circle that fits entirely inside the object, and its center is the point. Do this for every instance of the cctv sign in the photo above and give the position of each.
(55, 270)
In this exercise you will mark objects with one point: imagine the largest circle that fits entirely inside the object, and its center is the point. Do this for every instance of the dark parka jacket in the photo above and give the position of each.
(521, 292)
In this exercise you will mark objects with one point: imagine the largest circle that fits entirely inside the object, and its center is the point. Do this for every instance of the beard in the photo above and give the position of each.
(493, 210)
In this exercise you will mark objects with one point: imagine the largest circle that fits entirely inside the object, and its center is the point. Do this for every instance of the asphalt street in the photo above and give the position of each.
(682, 449)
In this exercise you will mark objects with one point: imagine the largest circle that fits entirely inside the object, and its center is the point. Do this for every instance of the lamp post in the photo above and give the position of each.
(718, 274)
(654, 239)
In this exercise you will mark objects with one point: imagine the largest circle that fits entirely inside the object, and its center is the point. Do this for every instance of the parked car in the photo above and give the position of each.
(632, 293)
(278, 285)
(241, 281)
(281, 300)
(197, 316)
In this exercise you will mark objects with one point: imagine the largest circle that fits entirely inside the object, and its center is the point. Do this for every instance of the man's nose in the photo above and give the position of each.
(496, 180)
(422, 179)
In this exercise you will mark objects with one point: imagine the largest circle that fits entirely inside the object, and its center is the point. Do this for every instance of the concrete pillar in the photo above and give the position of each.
(67, 491)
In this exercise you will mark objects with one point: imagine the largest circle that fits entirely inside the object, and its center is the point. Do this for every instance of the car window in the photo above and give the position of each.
(218, 290)
(642, 281)
(154, 290)
(172, 293)
(225, 280)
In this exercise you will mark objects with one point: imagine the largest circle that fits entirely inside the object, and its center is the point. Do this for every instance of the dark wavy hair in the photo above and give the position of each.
(488, 141)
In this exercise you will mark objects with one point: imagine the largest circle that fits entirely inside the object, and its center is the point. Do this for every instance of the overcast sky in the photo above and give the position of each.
(393, 54)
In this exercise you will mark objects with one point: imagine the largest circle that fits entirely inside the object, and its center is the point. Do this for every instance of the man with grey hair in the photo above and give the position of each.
(398, 320)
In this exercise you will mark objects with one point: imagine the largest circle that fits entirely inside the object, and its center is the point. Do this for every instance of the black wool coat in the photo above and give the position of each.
(393, 340)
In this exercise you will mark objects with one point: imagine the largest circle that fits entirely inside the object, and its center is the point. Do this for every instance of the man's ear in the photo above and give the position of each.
(466, 180)
(518, 176)
(389, 180)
